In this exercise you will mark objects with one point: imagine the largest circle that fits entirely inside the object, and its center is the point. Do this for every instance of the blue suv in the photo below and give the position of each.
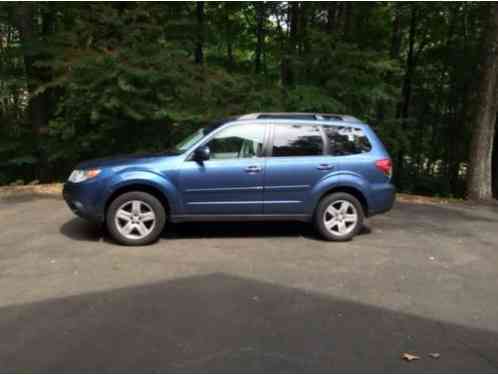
(328, 169)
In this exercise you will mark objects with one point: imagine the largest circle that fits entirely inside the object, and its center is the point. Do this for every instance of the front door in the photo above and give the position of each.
(231, 181)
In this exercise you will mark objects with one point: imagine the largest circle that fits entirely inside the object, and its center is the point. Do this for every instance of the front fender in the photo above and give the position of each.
(350, 180)
(150, 178)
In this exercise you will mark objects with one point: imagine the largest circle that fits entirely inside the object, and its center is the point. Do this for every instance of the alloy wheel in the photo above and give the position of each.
(340, 218)
(135, 219)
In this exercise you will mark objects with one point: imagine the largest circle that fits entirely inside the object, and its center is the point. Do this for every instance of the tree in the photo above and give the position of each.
(479, 180)
(84, 80)
(406, 89)
(288, 60)
(260, 34)
(39, 103)
(199, 46)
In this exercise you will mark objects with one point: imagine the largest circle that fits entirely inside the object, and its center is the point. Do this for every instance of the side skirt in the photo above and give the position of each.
(226, 218)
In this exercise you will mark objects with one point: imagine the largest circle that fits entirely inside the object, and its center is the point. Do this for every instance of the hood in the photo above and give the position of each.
(128, 159)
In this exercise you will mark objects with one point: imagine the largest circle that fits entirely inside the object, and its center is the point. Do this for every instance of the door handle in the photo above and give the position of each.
(253, 169)
(325, 167)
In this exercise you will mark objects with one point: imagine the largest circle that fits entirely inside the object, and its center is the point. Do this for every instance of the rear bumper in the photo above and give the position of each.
(81, 199)
(382, 199)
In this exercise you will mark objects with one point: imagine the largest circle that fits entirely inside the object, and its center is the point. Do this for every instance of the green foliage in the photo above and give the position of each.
(121, 77)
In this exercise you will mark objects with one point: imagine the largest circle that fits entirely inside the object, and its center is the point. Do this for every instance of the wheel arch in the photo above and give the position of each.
(142, 187)
(355, 192)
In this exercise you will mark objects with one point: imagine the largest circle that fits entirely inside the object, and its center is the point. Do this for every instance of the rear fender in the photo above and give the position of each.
(349, 180)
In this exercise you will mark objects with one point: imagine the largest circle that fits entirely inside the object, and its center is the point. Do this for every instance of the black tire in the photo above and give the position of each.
(148, 199)
(324, 204)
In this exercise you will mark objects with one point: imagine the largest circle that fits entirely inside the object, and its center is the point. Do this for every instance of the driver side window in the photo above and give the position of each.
(238, 142)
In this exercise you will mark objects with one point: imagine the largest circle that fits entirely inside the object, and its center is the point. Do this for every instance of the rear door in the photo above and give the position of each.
(297, 161)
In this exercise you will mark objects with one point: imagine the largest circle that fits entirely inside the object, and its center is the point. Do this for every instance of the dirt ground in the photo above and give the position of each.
(249, 297)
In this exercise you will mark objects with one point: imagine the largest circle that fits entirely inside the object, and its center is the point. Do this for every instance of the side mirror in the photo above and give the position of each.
(201, 154)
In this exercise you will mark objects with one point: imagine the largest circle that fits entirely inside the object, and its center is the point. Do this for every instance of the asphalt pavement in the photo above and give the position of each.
(250, 297)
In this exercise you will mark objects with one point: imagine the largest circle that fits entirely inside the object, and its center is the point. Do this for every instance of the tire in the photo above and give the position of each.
(135, 218)
(342, 226)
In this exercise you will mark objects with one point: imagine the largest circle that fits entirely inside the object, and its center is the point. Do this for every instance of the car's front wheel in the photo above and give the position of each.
(339, 217)
(135, 218)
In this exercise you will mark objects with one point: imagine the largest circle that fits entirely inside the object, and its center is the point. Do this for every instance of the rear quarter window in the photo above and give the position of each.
(346, 140)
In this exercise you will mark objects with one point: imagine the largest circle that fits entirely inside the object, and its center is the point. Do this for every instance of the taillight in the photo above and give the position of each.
(385, 166)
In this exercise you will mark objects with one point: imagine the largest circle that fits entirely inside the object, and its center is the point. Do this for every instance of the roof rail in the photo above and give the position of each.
(299, 116)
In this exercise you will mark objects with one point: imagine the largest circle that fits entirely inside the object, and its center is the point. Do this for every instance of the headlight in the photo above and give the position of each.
(83, 175)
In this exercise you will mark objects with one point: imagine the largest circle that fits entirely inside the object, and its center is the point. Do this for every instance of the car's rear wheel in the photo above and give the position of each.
(135, 218)
(339, 217)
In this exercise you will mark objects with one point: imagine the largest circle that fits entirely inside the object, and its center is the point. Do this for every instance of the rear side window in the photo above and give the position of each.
(346, 140)
(297, 140)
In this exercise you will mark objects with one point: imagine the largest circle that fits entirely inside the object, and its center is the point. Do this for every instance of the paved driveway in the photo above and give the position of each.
(250, 297)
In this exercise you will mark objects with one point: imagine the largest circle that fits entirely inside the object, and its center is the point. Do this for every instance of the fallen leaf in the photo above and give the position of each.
(434, 355)
(409, 357)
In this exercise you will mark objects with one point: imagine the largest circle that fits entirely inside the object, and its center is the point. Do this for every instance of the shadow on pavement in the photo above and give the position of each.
(242, 229)
(238, 230)
(220, 323)
(81, 230)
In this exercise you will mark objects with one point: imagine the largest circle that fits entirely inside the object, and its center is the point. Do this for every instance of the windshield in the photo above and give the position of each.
(190, 140)
(199, 134)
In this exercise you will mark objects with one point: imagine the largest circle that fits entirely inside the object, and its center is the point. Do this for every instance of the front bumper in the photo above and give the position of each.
(81, 198)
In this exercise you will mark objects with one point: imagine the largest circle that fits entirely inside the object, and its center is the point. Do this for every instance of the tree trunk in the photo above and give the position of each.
(305, 48)
(348, 19)
(260, 35)
(495, 165)
(410, 66)
(199, 48)
(230, 57)
(479, 179)
(339, 14)
(331, 16)
(396, 33)
(38, 104)
(458, 112)
(393, 54)
(288, 73)
(228, 36)
(404, 106)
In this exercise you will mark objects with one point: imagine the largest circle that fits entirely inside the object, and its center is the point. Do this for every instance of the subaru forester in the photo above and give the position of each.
(330, 170)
